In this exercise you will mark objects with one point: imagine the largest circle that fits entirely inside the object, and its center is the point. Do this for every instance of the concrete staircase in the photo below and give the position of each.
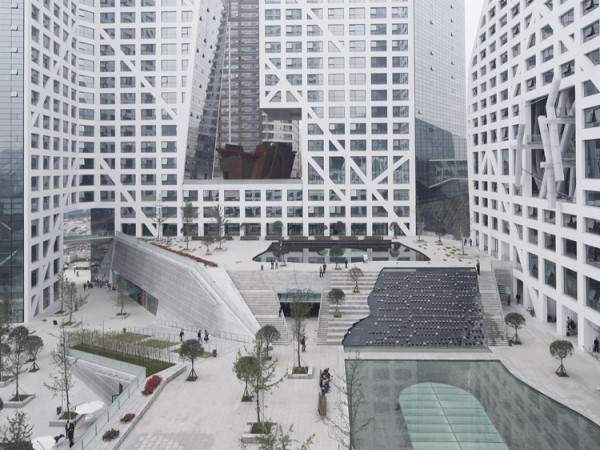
(264, 304)
(332, 330)
(493, 316)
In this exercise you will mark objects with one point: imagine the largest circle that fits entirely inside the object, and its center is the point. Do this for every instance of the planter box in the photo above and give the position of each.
(61, 422)
(10, 404)
(124, 316)
(300, 376)
(248, 437)
(73, 325)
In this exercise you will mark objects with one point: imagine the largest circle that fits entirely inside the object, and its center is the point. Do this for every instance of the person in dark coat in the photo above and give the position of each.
(478, 265)
(596, 346)
(346, 263)
(71, 434)
(181, 334)
(303, 343)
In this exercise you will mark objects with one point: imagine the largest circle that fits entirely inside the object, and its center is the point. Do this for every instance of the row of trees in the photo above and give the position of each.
(560, 349)
(69, 296)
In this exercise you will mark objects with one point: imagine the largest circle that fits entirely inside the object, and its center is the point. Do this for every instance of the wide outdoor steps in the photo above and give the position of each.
(493, 316)
(355, 307)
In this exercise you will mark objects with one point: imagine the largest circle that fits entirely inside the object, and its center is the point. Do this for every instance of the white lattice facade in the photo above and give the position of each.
(344, 69)
(534, 150)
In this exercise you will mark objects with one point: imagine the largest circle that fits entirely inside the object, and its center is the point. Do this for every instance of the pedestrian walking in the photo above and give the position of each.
(324, 268)
(280, 310)
(205, 336)
(277, 263)
(320, 272)
(272, 263)
(181, 334)
(518, 298)
(346, 263)
(465, 241)
(478, 265)
(303, 343)
(71, 434)
(470, 242)
(508, 301)
(199, 335)
(596, 346)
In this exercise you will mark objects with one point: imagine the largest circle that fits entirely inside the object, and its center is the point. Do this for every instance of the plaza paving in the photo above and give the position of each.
(208, 414)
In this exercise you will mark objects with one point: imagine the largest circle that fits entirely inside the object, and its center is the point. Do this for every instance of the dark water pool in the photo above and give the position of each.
(315, 252)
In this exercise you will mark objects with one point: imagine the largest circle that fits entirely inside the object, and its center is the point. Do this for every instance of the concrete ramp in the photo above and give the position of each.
(187, 291)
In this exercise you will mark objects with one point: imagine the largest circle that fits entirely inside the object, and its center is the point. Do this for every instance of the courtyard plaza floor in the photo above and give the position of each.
(208, 413)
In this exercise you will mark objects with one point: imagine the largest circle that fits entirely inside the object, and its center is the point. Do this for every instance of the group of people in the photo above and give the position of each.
(206, 336)
(324, 381)
(69, 432)
(469, 240)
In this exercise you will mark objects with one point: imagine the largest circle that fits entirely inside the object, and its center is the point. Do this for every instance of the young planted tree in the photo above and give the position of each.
(159, 218)
(394, 253)
(440, 231)
(336, 297)
(63, 281)
(207, 241)
(516, 321)
(339, 228)
(121, 296)
(278, 439)
(263, 382)
(269, 334)
(18, 356)
(355, 275)
(277, 228)
(62, 379)
(218, 215)
(5, 319)
(16, 435)
(299, 311)
(34, 345)
(246, 369)
(188, 214)
(348, 421)
(561, 349)
(279, 252)
(73, 300)
(190, 351)
(335, 253)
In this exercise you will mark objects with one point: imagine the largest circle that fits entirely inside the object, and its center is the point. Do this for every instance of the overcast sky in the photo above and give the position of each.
(472, 13)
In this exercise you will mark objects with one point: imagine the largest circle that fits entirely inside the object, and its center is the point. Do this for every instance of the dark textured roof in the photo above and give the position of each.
(425, 308)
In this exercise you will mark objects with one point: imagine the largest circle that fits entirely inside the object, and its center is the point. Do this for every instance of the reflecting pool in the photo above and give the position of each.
(318, 252)
(415, 403)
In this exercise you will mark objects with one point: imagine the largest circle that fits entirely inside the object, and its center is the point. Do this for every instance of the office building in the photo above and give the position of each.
(118, 106)
(534, 154)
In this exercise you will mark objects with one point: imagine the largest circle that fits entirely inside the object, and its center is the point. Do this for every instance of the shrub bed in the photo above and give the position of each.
(187, 255)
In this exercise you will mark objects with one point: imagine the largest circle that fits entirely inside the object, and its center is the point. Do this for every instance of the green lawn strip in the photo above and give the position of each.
(126, 338)
(152, 365)
(158, 343)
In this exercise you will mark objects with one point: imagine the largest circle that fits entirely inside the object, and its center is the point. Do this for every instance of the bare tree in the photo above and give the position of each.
(73, 300)
(121, 295)
(17, 433)
(188, 214)
(62, 379)
(270, 334)
(63, 281)
(263, 382)
(299, 311)
(355, 274)
(159, 218)
(279, 439)
(207, 241)
(5, 319)
(335, 253)
(218, 215)
(246, 369)
(348, 421)
(337, 297)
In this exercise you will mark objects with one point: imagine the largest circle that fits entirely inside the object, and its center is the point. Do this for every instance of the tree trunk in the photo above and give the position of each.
(298, 348)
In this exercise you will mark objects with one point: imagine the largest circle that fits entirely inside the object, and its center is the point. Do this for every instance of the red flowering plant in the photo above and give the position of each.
(187, 255)
(127, 418)
(151, 384)
(111, 434)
